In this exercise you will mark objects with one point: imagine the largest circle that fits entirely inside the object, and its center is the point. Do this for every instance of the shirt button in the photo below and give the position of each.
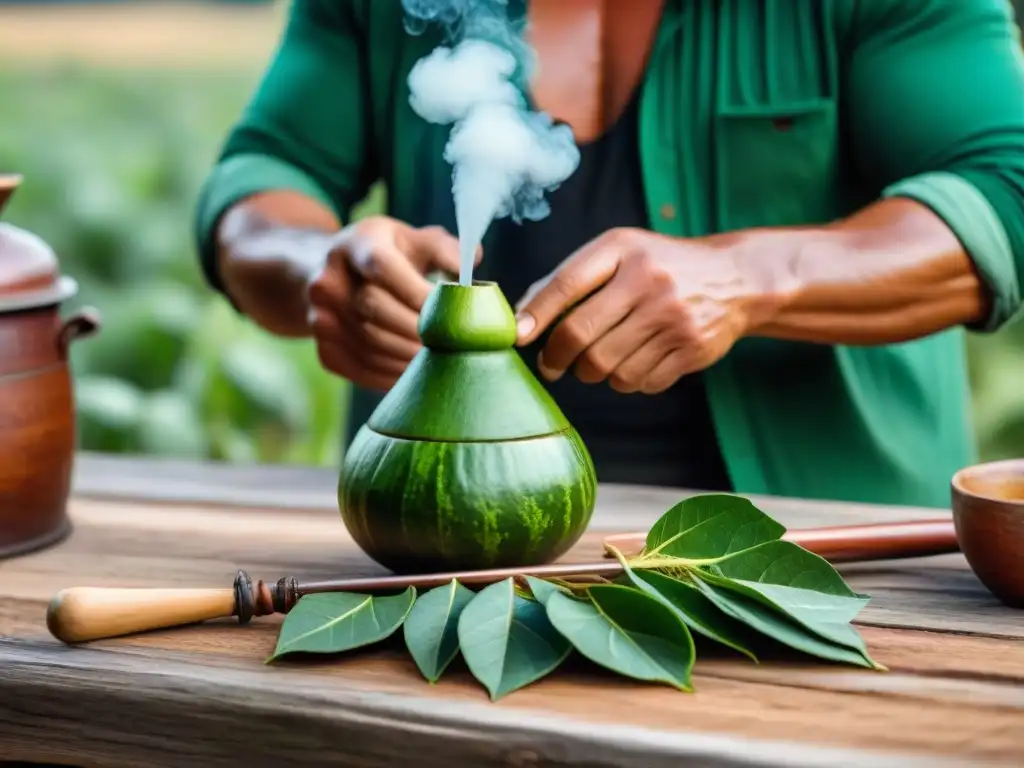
(668, 211)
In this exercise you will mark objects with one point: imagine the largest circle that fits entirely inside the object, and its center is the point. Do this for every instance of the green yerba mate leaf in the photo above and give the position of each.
(765, 573)
(787, 564)
(431, 628)
(805, 605)
(709, 526)
(334, 622)
(803, 611)
(627, 631)
(779, 627)
(507, 641)
(694, 609)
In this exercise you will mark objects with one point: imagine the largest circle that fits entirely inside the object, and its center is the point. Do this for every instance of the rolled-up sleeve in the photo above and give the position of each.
(935, 112)
(305, 127)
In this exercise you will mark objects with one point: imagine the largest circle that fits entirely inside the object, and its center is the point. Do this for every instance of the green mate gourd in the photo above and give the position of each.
(467, 462)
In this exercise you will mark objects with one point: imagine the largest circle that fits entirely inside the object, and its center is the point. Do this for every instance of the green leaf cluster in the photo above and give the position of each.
(714, 568)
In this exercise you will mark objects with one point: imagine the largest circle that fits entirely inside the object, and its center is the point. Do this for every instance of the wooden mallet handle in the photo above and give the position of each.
(80, 614)
(850, 543)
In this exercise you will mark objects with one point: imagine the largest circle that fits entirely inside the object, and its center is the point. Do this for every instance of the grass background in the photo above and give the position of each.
(113, 114)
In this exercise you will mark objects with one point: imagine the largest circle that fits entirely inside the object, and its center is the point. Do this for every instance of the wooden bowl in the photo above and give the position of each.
(988, 513)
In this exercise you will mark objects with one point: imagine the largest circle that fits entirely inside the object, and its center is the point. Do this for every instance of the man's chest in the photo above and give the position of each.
(590, 57)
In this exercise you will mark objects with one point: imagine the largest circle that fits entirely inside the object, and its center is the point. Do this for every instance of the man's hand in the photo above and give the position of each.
(365, 302)
(642, 310)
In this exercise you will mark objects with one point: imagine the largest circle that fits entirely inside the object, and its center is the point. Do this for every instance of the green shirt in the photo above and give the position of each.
(754, 113)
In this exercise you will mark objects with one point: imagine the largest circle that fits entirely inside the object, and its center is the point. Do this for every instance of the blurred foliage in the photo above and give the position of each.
(112, 162)
(997, 375)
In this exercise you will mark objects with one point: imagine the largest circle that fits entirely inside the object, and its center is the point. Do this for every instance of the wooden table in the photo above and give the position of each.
(200, 697)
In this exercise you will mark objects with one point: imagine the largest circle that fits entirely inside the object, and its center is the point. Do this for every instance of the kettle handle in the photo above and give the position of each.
(82, 324)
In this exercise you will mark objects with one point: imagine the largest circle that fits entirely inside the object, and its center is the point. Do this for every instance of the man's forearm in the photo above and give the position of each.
(269, 246)
(890, 273)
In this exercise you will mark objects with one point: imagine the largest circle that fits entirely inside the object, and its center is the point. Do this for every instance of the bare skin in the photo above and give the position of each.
(356, 291)
(589, 83)
(650, 308)
(269, 247)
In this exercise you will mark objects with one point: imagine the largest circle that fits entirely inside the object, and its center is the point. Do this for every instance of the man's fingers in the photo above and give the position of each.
(586, 325)
(578, 277)
(630, 374)
(330, 288)
(388, 343)
(337, 359)
(372, 371)
(389, 268)
(330, 328)
(401, 265)
(398, 257)
(360, 352)
(373, 304)
(379, 363)
(604, 358)
(326, 324)
(666, 373)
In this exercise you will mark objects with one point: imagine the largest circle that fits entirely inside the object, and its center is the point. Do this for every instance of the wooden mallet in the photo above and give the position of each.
(82, 614)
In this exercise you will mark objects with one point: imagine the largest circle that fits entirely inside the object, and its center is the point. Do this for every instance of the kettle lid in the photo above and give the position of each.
(29, 271)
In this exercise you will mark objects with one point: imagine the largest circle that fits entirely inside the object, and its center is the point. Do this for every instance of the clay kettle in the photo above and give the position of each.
(37, 409)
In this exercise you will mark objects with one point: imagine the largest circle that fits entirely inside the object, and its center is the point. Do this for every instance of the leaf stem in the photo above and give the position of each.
(655, 563)
(651, 561)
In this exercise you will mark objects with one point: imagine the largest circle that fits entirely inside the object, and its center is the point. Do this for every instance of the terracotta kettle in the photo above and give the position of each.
(37, 409)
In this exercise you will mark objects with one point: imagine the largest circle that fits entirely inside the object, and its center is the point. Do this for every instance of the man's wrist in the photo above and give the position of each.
(248, 237)
(266, 268)
(773, 266)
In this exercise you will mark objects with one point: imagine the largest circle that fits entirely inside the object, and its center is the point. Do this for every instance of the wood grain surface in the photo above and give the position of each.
(201, 696)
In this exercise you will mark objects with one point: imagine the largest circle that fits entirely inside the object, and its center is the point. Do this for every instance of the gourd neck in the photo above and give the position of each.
(467, 318)
(468, 383)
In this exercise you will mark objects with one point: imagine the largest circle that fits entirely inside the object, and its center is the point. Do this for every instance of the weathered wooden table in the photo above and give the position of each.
(201, 697)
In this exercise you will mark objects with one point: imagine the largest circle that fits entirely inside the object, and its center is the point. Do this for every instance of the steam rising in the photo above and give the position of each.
(504, 156)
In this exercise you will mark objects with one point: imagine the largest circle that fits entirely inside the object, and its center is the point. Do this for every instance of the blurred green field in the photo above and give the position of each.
(113, 159)
(112, 162)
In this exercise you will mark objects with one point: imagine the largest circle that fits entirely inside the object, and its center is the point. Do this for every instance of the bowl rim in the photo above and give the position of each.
(957, 481)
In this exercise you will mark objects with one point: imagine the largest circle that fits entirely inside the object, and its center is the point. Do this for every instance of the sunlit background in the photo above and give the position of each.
(113, 112)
